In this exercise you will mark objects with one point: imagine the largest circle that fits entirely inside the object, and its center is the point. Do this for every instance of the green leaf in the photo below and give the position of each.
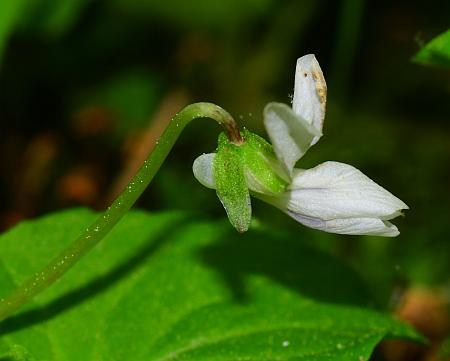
(59, 16)
(436, 52)
(10, 12)
(131, 98)
(195, 13)
(231, 187)
(17, 353)
(51, 19)
(444, 350)
(166, 287)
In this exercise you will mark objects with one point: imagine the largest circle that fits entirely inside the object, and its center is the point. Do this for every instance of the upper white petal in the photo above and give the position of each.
(310, 92)
(203, 170)
(291, 135)
(335, 190)
(354, 226)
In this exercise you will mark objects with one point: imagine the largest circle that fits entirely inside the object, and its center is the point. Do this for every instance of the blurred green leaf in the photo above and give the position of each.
(10, 12)
(163, 287)
(130, 97)
(195, 13)
(445, 348)
(52, 18)
(62, 15)
(436, 52)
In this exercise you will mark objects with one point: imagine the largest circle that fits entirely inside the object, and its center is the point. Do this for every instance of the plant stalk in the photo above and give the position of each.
(109, 218)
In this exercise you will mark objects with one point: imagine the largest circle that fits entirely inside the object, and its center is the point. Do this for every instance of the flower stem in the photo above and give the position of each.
(109, 218)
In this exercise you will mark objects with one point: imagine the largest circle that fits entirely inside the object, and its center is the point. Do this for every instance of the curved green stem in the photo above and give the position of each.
(109, 218)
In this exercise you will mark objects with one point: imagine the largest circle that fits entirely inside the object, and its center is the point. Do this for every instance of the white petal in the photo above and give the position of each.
(203, 170)
(335, 190)
(355, 226)
(310, 92)
(291, 135)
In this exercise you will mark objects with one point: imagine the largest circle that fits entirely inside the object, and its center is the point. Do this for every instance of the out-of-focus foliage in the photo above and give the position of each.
(49, 18)
(87, 86)
(129, 98)
(436, 52)
(171, 295)
(445, 348)
(9, 14)
(195, 14)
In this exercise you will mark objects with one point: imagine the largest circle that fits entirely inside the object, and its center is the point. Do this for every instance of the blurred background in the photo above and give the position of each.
(86, 88)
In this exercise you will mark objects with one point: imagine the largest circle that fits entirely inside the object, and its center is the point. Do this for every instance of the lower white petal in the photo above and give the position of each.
(203, 170)
(353, 226)
(335, 190)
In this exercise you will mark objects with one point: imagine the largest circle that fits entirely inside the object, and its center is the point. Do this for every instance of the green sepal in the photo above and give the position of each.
(263, 171)
(231, 186)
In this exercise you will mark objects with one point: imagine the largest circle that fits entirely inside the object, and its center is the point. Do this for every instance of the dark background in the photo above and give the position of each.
(86, 87)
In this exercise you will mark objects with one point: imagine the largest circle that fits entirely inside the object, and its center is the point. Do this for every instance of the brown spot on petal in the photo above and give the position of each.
(321, 87)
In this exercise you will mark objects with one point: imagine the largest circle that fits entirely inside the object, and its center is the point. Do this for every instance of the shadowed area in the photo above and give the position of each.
(287, 260)
(284, 259)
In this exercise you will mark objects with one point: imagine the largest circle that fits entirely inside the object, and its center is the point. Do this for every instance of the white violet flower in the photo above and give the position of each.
(332, 197)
